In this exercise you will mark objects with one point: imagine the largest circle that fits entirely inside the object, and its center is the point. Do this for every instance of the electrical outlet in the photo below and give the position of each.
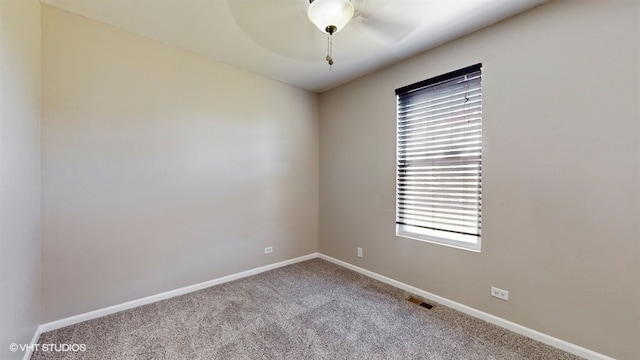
(268, 250)
(359, 252)
(499, 293)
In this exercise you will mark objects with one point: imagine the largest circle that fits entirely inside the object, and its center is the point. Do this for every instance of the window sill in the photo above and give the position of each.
(473, 247)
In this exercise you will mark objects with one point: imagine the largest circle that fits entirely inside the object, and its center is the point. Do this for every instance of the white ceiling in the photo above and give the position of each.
(275, 38)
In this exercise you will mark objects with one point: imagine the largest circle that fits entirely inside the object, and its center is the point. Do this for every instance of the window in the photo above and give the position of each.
(439, 159)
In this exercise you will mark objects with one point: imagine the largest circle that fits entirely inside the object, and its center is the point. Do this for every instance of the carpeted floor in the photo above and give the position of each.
(309, 310)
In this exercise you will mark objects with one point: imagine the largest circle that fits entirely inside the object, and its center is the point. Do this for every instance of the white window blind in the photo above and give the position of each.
(439, 159)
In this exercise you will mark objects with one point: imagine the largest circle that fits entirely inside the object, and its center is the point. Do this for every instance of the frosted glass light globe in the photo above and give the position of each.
(330, 13)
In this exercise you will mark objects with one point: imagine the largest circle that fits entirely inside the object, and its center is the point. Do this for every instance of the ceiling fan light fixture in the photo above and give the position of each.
(330, 16)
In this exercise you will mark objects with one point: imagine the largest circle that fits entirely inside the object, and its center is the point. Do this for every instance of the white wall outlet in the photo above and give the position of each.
(268, 250)
(359, 252)
(499, 293)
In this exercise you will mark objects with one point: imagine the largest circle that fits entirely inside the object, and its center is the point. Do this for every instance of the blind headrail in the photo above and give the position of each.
(439, 79)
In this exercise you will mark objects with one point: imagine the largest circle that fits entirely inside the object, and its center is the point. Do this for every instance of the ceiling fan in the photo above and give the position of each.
(287, 26)
(330, 16)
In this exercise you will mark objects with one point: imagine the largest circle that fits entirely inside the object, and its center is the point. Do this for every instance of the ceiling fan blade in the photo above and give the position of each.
(385, 21)
(280, 26)
(384, 30)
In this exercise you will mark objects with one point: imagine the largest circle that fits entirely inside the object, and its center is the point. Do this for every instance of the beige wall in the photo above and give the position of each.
(163, 169)
(561, 174)
(19, 173)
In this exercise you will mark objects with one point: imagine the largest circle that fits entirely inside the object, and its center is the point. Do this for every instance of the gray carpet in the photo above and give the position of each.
(309, 310)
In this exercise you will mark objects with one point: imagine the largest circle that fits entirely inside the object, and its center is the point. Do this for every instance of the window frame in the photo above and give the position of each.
(446, 237)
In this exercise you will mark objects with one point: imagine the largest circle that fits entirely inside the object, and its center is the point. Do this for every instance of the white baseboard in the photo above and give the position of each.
(57, 324)
(530, 333)
(34, 340)
(522, 330)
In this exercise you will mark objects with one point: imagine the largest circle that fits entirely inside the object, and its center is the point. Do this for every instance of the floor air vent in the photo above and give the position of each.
(417, 301)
